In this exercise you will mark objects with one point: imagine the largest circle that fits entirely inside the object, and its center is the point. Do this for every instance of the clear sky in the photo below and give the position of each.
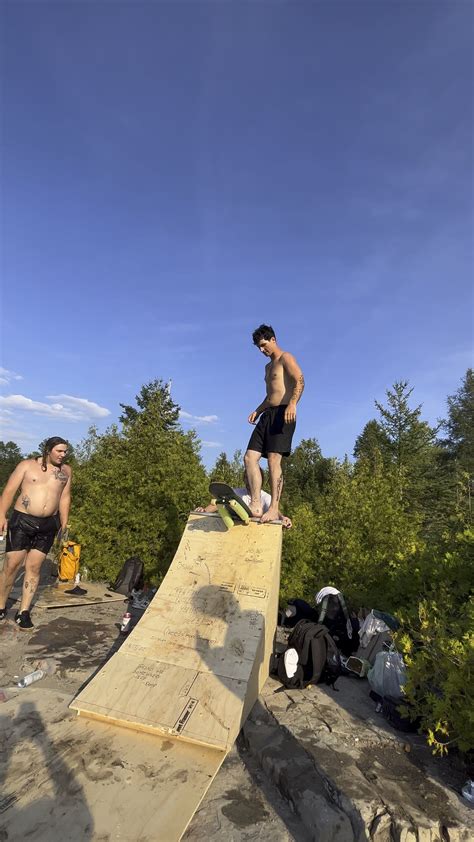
(175, 173)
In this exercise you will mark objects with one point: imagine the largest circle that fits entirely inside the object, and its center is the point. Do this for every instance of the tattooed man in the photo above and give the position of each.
(273, 433)
(41, 509)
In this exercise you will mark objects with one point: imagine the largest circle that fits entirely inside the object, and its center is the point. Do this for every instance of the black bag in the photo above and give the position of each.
(318, 656)
(130, 577)
(391, 712)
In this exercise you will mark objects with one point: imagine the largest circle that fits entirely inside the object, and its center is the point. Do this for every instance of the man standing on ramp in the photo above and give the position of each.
(274, 431)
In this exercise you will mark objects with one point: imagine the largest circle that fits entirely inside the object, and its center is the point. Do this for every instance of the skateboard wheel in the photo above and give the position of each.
(239, 510)
(225, 515)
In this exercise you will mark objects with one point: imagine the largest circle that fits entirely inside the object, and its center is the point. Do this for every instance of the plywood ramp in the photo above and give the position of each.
(193, 666)
(77, 779)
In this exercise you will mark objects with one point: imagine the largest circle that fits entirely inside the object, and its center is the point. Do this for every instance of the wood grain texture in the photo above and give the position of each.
(193, 666)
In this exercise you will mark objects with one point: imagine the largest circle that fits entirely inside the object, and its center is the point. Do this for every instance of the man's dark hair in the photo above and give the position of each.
(48, 446)
(263, 332)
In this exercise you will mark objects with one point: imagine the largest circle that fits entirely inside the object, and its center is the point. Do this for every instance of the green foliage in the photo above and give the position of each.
(297, 572)
(360, 538)
(10, 456)
(134, 487)
(306, 474)
(460, 425)
(437, 641)
(230, 472)
(373, 444)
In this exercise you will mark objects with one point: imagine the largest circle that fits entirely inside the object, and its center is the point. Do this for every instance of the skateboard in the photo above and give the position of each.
(229, 505)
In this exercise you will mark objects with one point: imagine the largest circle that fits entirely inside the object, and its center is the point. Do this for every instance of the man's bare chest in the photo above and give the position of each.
(52, 479)
(274, 374)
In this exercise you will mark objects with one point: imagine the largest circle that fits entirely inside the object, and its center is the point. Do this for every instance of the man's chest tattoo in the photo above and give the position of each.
(60, 475)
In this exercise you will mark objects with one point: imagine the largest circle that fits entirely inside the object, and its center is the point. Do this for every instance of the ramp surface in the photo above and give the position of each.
(193, 666)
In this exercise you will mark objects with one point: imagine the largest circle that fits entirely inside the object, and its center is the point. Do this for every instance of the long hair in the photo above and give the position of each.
(47, 448)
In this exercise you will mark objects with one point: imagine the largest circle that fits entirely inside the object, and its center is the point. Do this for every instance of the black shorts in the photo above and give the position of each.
(272, 435)
(27, 532)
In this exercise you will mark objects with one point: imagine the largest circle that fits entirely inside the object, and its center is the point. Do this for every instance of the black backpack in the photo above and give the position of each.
(318, 656)
(130, 577)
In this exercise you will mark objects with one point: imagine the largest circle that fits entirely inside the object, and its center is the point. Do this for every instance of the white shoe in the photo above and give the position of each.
(468, 791)
(290, 659)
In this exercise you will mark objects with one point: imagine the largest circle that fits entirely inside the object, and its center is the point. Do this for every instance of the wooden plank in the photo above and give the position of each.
(71, 778)
(192, 668)
(55, 596)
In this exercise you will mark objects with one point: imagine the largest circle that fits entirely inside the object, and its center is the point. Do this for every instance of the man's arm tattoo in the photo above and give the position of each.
(298, 390)
(25, 501)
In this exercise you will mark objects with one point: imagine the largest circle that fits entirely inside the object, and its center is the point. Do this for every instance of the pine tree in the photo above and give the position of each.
(306, 474)
(372, 444)
(10, 456)
(134, 487)
(410, 446)
(460, 425)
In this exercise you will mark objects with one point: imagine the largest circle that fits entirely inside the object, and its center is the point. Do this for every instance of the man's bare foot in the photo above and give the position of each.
(272, 514)
(256, 512)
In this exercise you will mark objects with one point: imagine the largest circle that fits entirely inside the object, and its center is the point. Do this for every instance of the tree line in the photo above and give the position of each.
(391, 527)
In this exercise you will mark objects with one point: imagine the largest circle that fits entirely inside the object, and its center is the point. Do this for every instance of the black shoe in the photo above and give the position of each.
(23, 620)
(3, 613)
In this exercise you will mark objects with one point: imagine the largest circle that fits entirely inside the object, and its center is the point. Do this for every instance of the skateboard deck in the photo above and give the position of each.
(229, 505)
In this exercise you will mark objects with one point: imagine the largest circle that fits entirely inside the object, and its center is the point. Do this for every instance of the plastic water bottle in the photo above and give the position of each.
(45, 667)
(30, 678)
(125, 627)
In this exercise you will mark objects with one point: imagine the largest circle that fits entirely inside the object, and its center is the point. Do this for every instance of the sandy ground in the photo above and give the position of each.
(64, 777)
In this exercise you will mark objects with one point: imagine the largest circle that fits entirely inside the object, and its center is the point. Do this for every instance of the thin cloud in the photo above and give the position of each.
(211, 444)
(6, 376)
(198, 419)
(66, 407)
(89, 409)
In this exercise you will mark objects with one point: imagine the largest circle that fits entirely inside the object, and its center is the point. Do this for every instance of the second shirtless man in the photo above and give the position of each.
(274, 432)
(41, 509)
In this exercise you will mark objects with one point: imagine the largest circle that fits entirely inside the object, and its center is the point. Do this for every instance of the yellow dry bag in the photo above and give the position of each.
(69, 557)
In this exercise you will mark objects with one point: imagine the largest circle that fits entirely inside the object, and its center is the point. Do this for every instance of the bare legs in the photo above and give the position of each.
(11, 566)
(276, 487)
(33, 563)
(254, 477)
(13, 561)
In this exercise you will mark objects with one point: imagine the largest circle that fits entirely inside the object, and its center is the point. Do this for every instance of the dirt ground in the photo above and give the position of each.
(59, 774)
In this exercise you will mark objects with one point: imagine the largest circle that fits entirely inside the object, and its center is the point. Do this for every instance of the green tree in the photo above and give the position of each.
(157, 395)
(372, 444)
(437, 641)
(134, 487)
(10, 456)
(358, 540)
(411, 447)
(460, 425)
(230, 472)
(306, 474)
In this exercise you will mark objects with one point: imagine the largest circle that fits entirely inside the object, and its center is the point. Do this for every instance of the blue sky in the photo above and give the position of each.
(174, 174)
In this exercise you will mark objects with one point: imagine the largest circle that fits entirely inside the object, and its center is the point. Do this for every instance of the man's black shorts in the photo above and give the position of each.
(272, 435)
(27, 532)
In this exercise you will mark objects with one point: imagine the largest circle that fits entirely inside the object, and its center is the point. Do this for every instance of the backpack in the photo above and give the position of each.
(318, 656)
(68, 565)
(130, 577)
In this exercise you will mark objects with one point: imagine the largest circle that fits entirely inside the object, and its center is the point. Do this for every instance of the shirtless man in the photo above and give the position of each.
(41, 509)
(273, 434)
